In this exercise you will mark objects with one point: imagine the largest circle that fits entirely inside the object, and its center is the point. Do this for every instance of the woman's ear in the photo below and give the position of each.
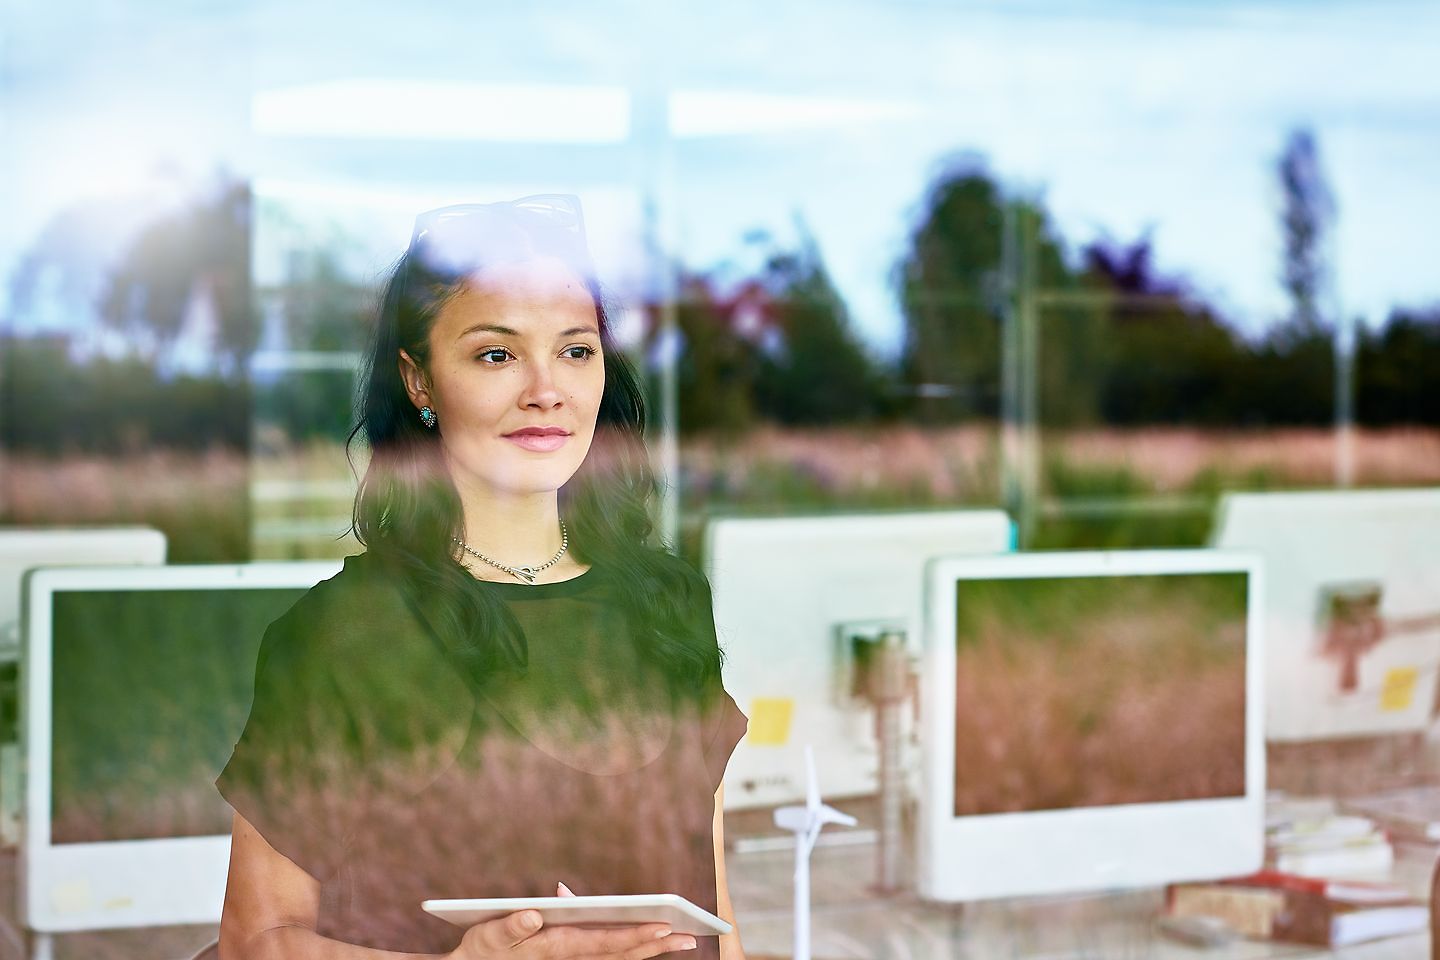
(416, 383)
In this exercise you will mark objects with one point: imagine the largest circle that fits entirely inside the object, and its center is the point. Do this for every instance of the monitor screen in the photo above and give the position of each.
(151, 689)
(1092, 691)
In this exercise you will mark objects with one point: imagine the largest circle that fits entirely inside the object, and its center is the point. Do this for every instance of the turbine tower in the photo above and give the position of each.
(806, 822)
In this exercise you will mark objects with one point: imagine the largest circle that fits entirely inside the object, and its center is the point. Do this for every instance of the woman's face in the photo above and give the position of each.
(517, 347)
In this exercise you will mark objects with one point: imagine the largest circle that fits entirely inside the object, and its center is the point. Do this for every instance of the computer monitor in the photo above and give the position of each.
(22, 548)
(790, 594)
(1090, 721)
(136, 683)
(1352, 607)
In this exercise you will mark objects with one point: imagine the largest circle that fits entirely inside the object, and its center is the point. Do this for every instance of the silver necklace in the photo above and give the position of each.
(526, 574)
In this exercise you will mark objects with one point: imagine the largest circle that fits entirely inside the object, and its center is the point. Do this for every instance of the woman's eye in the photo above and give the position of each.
(589, 352)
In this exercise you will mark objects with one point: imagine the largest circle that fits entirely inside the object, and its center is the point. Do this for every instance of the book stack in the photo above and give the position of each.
(1409, 815)
(1272, 905)
(1310, 839)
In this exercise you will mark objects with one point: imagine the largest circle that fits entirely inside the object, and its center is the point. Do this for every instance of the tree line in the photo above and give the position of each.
(1120, 343)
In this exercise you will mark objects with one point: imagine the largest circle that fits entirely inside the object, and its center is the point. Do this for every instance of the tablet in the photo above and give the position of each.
(612, 911)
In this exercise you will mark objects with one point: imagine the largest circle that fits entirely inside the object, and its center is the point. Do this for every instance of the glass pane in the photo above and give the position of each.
(1108, 268)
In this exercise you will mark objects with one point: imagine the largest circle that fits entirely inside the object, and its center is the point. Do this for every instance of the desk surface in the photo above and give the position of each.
(849, 921)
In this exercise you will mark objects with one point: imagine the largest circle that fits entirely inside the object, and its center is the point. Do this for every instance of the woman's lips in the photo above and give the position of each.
(539, 443)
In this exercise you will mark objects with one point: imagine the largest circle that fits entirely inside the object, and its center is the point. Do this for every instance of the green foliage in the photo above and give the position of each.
(323, 308)
(1184, 522)
(778, 349)
(1308, 211)
(56, 405)
(1168, 359)
(822, 374)
(949, 284)
(1397, 369)
(717, 370)
(325, 311)
(308, 404)
(1119, 344)
(202, 249)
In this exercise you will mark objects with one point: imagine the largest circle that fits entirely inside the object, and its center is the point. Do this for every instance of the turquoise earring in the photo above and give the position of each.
(427, 417)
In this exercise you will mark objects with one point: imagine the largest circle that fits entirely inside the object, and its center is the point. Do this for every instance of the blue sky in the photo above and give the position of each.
(1123, 117)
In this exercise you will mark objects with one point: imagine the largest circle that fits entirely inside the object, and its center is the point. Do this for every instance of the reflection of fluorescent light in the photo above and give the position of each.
(697, 113)
(291, 361)
(425, 110)
(369, 197)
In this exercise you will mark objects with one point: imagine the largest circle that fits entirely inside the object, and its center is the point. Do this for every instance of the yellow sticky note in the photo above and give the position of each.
(769, 721)
(1397, 691)
(71, 896)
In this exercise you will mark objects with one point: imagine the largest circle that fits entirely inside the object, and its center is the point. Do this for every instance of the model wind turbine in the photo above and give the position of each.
(806, 823)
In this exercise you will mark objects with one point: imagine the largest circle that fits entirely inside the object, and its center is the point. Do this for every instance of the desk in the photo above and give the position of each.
(849, 922)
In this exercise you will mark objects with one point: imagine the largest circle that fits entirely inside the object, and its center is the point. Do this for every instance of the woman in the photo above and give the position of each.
(511, 692)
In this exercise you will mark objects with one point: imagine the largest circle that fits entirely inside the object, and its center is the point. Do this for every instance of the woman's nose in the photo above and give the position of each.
(543, 386)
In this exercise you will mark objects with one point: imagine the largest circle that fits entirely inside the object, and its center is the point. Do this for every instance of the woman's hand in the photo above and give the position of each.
(518, 936)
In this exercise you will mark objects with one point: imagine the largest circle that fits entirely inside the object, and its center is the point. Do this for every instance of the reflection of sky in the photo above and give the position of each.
(1126, 117)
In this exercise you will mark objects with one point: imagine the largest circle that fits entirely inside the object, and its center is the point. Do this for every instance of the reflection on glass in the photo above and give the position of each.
(1095, 691)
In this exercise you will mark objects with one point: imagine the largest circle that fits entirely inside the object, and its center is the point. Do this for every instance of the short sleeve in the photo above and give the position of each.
(728, 728)
(294, 772)
(725, 724)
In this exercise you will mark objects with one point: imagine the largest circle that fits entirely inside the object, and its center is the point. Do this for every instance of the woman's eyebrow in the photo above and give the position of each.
(509, 332)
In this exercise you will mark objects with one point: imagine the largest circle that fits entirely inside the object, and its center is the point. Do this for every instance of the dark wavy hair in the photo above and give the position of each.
(407, 508)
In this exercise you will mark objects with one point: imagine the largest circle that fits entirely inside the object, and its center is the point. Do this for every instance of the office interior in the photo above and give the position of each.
(1105, 333)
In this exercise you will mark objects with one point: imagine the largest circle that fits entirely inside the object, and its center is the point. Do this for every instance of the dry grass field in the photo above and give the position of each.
(293, 502)
(1097, 691)
(287, 502)
(963, 464)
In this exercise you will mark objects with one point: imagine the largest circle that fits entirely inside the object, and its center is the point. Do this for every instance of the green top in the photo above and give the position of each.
(369, 759)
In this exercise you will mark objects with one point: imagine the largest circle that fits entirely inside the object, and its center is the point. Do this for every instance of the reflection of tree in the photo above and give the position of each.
(60, 274)
(821, 373)
(101, 304)
(318, 307)
(1298, 353)
(949, 285)
(113, 406)
(1397, 368)
(1121, 343)
(1308, 212)
(951, 288)
(203, 251)
(323, 308)
(717, 368)
(775, 346)
(1170, 359)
